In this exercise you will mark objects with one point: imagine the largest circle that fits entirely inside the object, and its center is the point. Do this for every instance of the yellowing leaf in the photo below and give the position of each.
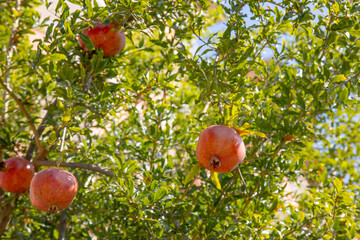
(257, 216)
(277, 69)
(243, 132)
(240, 132)
(215, 180)
(339, 78)
(16, 14)
(245, 126)
(260, 134)
(335, 7)
(247, 107)
(301, 216)
(54, 57)
(338, 185)
(66, 118)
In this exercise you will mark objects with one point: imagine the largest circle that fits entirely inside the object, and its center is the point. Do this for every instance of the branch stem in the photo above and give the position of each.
(25, 112)
(61, 146)
(90, 167)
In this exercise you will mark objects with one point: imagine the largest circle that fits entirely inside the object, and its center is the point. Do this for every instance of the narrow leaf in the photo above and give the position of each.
(215, 180)
(339, 78)
(54, 57)
(338, 185)
(274, 204)
(191, 175)
(159, 194)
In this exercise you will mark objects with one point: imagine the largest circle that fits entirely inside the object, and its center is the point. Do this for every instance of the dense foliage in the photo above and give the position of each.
(127, 126)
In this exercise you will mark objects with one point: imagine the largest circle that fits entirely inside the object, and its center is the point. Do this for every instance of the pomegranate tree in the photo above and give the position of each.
(220, 149)
(16, 174)
(53, 189)
(108, 37)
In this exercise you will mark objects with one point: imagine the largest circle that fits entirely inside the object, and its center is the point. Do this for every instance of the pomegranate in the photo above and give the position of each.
(53, 189)
(16, 174)
(220, 149)
(107, 37)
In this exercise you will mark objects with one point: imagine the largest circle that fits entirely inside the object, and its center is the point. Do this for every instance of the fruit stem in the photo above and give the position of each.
(241, 177)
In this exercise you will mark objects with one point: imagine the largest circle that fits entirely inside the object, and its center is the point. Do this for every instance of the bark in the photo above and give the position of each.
(6, 213)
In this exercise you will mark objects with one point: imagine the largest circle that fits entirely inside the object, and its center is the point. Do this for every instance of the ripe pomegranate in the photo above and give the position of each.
(16, 174)
(220, 149)
(107, 37)
(53, 189)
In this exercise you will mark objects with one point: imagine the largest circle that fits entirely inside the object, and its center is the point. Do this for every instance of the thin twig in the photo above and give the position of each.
(241, 177)
(90, 167)
(88, 82)
(304, 224)
(323, 51)
(62, 146)
(178, 226)
(9, 54)
(6, 213)
(198, 36)
(39, 130)
(248, 201)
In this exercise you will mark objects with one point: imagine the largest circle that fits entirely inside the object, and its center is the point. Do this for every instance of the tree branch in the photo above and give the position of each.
(25, 112)
(39, 130)
(62, 226)
(248, 200)
(6, 213)
(303, 224)
(90, 167)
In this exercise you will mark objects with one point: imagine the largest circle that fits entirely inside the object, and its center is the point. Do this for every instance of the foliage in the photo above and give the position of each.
(139, 115)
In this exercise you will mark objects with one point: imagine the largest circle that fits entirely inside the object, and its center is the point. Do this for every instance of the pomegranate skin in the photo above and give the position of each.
(17, 177)
(220, 149)
(107, 37)
(53, 189)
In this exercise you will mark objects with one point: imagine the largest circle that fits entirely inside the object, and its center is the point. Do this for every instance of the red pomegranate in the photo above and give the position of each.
(108, 37)
(53, 189)
(220, 149)
(16, 174)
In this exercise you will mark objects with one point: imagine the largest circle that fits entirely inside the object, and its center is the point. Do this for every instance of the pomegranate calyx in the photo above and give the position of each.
(53, 209)
(215, 162)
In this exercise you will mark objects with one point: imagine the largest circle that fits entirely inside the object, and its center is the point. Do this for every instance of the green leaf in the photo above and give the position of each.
(89, 9)
(87, 41)
(344, 23)
(344, 94)
(338, 185)
(246, 54)
(339, 78)
(191, 175)
(54, 57)
(129, 185)
(75, 129)
(352, 187)
(283, 45)
(355, 33)
(159, 194)
(301, 216)
(274, 204)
